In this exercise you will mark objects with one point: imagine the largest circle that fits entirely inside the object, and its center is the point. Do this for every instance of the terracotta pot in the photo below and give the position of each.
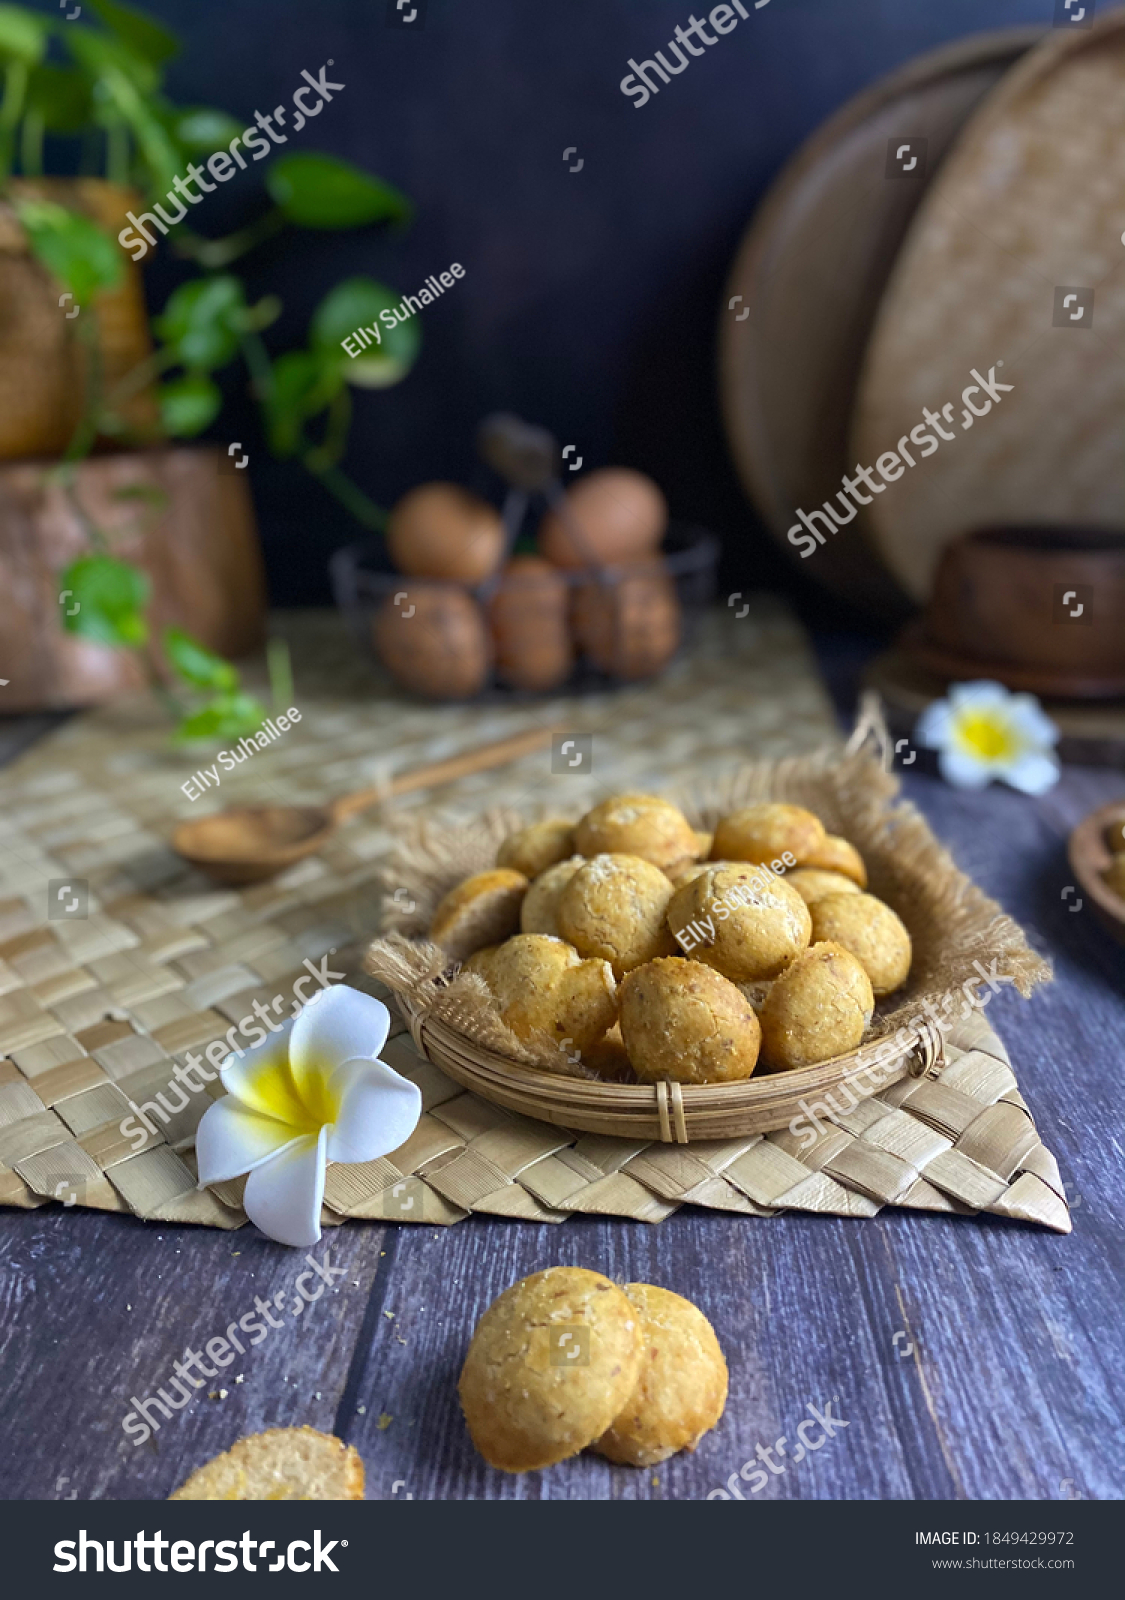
(190, 527)
(42, 362)
(1043, 606)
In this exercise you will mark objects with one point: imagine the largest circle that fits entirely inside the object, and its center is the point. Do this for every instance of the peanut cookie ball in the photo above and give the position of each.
(820, 1007)
(871, 931)
(533, 849)
(539, 912)
(813, 884)
(544, 988)
(687, 1023)
(614, 907)
(765, 832)
(741, 920)
(682, 1388)
(834, 854)
(551, 1363)
(637, 825)
(483, 910)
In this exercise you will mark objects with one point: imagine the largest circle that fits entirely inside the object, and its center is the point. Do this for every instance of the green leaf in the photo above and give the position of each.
(318, 191)
(225, 717)
(22, 34)
(61, 96)
(303, 385)
(140, 33)
(110, 596)
(103, 56)
(201, 322)
(202, 130)
(71, 247)
(197, 665)
(189, 404)
(355, 303)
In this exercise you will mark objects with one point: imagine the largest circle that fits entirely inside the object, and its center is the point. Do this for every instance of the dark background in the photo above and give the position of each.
(590, 301)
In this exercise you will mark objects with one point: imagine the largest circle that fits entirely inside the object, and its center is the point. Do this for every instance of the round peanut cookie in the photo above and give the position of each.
(483, 910)
(533, 849)
(811, 883)
(871, 931)
(687, 1023)
(637, 825)
(614, 907)
(682, 1388)
(544, 988)
(551, 1363)
(765, 832)
(282, 1464)
(539, 912)
(740, 919)
(834, 854)
(820, 1007)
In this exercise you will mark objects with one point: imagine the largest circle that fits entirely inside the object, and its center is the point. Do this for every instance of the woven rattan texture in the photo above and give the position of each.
(97, 1012)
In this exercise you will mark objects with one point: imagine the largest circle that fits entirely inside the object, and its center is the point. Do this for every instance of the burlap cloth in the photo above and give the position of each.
(95, 1012)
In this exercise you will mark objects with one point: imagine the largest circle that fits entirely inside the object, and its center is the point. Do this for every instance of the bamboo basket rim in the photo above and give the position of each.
(672, 1113)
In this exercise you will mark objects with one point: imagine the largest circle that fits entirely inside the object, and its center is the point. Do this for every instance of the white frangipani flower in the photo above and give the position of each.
(311, 1093)
(984, 732)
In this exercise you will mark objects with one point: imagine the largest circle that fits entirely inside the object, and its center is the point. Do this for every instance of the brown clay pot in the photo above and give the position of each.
(1043, 606)
(199, 549)
(42, 362)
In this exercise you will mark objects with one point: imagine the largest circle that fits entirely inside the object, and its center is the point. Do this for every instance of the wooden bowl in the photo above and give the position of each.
(1089, 856)
(1045, 604)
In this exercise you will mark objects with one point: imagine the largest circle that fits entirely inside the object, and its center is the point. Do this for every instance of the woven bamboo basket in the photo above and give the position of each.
(957, 930)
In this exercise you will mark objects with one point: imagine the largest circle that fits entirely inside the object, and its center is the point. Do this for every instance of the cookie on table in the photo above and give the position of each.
(834, 854)
(614, 908)
(545, 989)
(526, 1404)
(682, 1388)
(686, 1023)
(485, 909)
(283, 1464)
(820, 1007)
(871, 931)
(814, 883)
(740, 919)
(765, 832)
(637, 825)
(539, 912)
(533, 849)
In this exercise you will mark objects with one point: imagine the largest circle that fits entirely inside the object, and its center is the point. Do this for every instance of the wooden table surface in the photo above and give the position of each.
(971, 1359)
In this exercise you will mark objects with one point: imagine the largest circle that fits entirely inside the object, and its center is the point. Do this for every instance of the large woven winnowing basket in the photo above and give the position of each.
(960, 937)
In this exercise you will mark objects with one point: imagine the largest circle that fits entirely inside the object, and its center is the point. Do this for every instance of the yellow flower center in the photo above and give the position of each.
(306, 1109)
(984, 735)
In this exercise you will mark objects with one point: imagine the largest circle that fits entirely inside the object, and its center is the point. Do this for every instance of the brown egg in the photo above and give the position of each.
(434, 641)
(440, 530)
(528, 616)
(629, 625)
(621, 516)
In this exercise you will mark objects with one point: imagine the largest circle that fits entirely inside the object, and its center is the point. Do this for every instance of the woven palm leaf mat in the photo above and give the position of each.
(97, 1011)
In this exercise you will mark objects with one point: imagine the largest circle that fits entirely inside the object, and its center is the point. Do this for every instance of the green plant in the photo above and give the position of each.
(102, 84)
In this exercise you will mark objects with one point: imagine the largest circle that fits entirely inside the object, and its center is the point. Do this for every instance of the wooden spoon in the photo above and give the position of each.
(248, 844)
